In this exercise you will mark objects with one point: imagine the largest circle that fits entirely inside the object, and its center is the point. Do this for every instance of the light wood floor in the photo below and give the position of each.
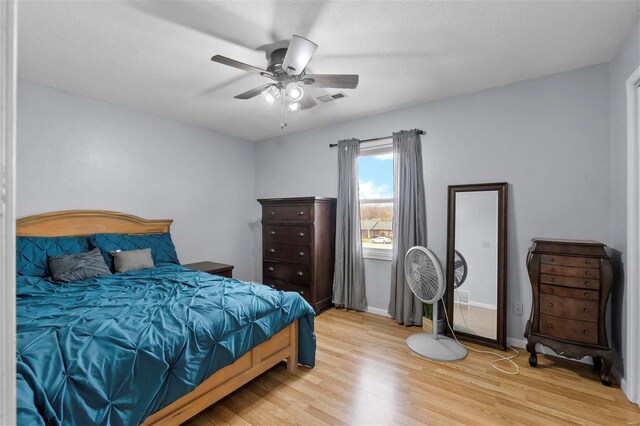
(365, 374)
(475, 320)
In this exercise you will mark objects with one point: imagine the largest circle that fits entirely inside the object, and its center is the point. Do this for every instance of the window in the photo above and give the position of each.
(375, 167)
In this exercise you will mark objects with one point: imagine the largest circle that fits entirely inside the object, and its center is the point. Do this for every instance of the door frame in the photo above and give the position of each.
(8, 76)
(631, 382)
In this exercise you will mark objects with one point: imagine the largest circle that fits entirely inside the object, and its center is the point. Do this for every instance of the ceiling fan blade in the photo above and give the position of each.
(336, 81)
(241, 65)
(253, 92)
(298, 55)
(307, 101)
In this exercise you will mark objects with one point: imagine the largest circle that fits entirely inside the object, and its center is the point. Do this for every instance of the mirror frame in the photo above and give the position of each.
(500, 342)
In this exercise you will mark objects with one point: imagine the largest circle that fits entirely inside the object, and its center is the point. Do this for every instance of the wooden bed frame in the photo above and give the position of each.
(282, 346)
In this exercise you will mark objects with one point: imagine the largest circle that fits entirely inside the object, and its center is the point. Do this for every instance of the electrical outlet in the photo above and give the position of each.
(517, 309)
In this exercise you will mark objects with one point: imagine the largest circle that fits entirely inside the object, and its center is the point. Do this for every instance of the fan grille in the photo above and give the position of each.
(459, 269)
(424, 274)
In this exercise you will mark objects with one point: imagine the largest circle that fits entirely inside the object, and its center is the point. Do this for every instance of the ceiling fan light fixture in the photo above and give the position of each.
(294, 92)
(299, 53)
(293, 106)
(270, 94)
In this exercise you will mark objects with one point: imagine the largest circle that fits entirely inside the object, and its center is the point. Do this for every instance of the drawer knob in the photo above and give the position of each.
(550, 278)
(300, 253)
(549, 325)
(550, 305)
(270, 268)
(272, 250)
(586, 294)
(300, 273)
(272, 232)
(552, 260)
(549, 290)
(586, 272)
(552, 269)
(272, 213)
(301, 234)
(300, 213)
(585, 331)
(587, 261)
(587, 283)
(586, 309)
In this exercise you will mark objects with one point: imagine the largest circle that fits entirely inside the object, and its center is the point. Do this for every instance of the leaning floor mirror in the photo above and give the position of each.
(477, 263)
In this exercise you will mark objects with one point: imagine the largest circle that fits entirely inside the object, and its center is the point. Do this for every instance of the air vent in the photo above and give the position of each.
(331, 98)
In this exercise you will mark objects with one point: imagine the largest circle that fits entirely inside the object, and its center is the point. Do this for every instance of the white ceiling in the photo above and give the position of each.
(155, 56)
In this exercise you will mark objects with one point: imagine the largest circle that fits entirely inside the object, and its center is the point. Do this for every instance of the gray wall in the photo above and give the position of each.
(549, 138)
(78, 153)
(620, 69)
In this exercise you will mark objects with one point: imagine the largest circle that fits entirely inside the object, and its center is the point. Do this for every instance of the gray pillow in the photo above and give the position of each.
(132, 260)
(76, 267)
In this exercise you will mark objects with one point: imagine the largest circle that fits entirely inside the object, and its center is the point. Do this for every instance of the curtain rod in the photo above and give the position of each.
(418, 131)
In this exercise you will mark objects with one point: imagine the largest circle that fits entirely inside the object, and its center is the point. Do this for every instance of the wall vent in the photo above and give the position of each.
(331, 98)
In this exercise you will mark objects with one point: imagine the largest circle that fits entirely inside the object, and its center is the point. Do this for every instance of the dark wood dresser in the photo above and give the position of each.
(298, 246)
(571, 282)
(214, 268)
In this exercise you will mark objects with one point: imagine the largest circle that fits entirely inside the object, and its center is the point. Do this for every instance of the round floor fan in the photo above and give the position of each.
(459, 269)
(426, 280)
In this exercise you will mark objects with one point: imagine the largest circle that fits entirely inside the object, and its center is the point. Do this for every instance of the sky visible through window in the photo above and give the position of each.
(376, 176)
(376, 183)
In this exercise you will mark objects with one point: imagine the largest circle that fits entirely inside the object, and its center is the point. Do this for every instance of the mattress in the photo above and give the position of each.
(115, 349)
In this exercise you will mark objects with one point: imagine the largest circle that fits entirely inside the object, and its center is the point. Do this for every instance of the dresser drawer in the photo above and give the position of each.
(591, 284)
(566, 329)
(287, 234)
(287, 272)
(580, 262)
(288, 213)
(566, 307)
(303, 291)
(568, 271)
(287, 252)
(569, 292)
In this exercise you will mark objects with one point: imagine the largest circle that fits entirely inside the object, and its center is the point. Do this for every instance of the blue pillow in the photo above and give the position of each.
(32, 252)
(162, 249)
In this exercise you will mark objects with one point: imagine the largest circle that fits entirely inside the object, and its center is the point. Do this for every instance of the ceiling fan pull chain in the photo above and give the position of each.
(283, 123)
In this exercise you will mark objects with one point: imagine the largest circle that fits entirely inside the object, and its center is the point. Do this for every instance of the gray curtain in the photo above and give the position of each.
(348, 278)
(409, 223)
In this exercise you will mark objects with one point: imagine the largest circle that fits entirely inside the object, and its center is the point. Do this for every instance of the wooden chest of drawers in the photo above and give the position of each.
(571, 282)
(298, 246)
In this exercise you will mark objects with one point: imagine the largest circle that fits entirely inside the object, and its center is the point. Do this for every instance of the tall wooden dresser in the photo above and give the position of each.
(571, 282)
(298, 246)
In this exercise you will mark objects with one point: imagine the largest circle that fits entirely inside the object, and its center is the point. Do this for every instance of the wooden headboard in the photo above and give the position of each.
(87, 222)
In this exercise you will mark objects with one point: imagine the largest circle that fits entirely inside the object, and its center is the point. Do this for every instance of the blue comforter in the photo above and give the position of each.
(113, 350)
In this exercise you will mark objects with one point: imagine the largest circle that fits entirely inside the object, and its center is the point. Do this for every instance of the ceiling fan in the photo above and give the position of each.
(286, 69)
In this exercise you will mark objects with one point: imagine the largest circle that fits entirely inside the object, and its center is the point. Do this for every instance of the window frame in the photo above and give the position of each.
(384, 146)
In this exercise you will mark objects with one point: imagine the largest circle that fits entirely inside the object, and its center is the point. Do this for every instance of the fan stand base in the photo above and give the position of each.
(438, 348)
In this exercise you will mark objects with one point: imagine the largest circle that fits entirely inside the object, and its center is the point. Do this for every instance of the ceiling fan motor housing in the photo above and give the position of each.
(274, 65)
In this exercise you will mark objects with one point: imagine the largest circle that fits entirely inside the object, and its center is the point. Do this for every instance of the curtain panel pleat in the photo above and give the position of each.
(348, 280)
(409, 223)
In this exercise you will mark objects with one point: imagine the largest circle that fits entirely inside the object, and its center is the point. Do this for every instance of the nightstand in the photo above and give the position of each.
(212, 268)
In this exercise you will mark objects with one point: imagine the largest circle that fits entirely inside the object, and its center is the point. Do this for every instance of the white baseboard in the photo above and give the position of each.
(624, 384)
(516, 343)
(478, 305)
(378, 311)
